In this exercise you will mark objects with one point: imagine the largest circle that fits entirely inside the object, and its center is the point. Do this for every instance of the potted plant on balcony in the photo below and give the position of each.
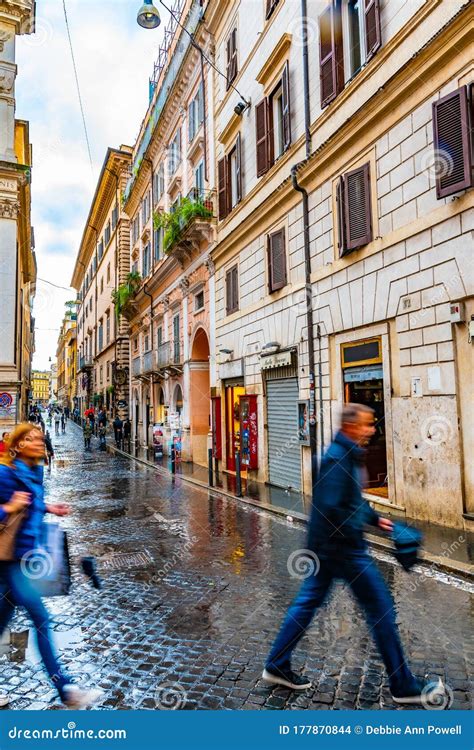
(123, 296)
(174, 223)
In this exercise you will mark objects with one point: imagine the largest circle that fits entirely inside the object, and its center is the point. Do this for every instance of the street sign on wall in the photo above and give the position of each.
(7, 406)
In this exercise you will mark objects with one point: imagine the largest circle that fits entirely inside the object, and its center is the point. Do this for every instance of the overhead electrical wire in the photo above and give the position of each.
(77, 84)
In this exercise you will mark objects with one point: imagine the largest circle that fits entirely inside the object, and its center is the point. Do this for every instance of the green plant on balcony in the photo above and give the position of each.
(175, 222)
(110, 390)
(123, 295)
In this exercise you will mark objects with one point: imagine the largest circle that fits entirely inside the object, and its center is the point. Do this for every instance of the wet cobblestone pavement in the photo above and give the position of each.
(194, 591)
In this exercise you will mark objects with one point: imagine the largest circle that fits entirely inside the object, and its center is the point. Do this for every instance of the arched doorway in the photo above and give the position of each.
(160, 406)
(199, 396)
(136, 415)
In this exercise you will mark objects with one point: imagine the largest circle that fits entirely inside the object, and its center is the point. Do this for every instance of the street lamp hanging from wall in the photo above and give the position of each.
(148, 16)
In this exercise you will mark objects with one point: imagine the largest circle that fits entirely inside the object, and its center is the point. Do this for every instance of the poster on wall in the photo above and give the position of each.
(7, 407)
(303, 422)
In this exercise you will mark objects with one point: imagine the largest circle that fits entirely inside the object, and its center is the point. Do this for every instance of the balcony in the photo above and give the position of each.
(147, 363)
(136, 366)
(192, 224)
(85, 363)
(170, 356)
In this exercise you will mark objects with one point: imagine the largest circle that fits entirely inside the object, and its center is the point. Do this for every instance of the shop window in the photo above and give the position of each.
(453, 145)
(229, 174)
(277, 277)
(231, 57)
(232, 290)
(354, 209)
(272, 122)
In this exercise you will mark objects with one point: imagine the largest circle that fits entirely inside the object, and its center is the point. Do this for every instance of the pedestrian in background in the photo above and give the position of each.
(57, 422)
(21, 492)
(3, 443)
(49, 450)
(87, 430)
(63, 422)
(337, 550)
(118, 431)
(102, 435)
(127, 432)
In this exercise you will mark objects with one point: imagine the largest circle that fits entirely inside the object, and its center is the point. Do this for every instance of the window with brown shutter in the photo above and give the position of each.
(232, 290)
(373, 35)
(231, 57)
(330, 53)
(238, 168)
(453, 145)
(261, 121)
(354, 209)
(285, 86)
(270, 7)
(222, 188)
(277, 278)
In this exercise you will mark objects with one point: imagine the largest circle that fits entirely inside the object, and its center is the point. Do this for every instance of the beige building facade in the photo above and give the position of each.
(40, 387)
(101, 266)
(380, 260)
(17, 258)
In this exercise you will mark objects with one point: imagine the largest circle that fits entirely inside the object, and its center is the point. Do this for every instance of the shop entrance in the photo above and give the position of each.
(363, 384)
(233, 392)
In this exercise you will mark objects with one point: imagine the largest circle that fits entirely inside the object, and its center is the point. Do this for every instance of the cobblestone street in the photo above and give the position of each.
(194, 590)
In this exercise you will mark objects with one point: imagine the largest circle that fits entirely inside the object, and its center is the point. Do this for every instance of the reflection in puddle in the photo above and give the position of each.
(22, 646)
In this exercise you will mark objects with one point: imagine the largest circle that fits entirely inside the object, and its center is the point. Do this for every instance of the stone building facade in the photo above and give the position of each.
(383, 151)
(17, 258)
(171, 202)
(101, 266)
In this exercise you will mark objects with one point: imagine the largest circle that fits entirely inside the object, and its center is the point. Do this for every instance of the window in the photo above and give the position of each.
(232, 290)
(90, 304)
(114, 217)
(272, 121)
(229, 175)
(270, 7)
(354, 210)
(107, 328)
(107, 233)
(145, 208)
(157, 243)
(108, 369)
(102, 285)
(195, 114)
(175, 205)
(176, 347)
(454, 149)
(277, 278)
(101, 374)
(135, 344)
(147, 343)
(135, 229)
(199, 301)
(159, 182)
(100, 336)
(175, 152)
(350, 30)
(101, 249)
(231, 66)
(159, 337)
(146, 261)
(108, 273)
(199, 179)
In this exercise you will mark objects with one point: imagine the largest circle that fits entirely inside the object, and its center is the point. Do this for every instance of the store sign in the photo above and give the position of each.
(360, 374)
(279, 359)
(232, 369)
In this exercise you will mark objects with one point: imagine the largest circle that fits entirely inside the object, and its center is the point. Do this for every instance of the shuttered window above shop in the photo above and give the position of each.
(453, 141)
(229, 179)
(277, 277)
(232, 290)
(331, 69)
(231, 57)
(354, 210)
(273, 124)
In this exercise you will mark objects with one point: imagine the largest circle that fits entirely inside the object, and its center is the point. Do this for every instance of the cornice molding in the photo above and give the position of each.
(271, 69)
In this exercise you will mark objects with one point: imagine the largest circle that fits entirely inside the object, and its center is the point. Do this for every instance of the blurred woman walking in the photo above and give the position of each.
(22, 509)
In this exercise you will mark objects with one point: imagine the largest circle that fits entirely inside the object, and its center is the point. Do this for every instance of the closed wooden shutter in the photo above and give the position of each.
(276, 261)
(373, 36)
(285, 88)
(222, 188)
(341, 221)
(238, 167)
(191, 116)
(231, 57)
(357, 209)
(232, 290)
(330, 53)
(452, 124)
(261, 121)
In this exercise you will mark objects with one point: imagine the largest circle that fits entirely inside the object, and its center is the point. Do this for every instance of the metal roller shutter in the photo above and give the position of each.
(283, 447)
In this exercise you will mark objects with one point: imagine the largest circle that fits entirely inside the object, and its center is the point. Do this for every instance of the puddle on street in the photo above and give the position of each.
(22, 646)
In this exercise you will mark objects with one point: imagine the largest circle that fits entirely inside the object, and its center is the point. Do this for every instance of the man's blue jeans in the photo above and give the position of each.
(370, 590)
(17, 590)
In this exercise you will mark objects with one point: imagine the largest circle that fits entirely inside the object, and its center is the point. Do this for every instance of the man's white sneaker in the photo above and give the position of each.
(4, 700)
(76, 698)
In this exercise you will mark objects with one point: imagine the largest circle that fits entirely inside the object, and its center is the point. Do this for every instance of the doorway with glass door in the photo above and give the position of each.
(233, 391)
(362, 369)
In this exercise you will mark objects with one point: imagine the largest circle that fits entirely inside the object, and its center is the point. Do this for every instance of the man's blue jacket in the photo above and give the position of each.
(339, 512)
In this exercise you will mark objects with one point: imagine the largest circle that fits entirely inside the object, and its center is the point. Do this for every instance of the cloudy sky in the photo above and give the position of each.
(114, 59)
